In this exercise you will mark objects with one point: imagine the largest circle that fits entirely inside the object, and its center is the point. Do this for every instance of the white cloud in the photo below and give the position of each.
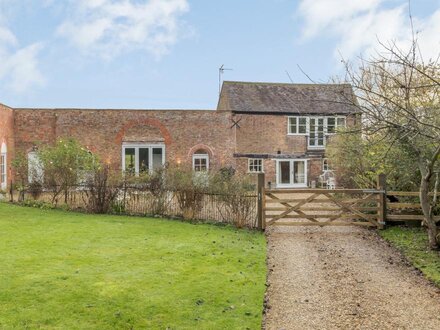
(20, 69)
(358, 25)
(18, 66)
(110, 27)
(7, 37)
(429, 39)
(320, 14)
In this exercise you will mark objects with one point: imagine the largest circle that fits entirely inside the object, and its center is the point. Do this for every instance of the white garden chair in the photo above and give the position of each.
(327, 180)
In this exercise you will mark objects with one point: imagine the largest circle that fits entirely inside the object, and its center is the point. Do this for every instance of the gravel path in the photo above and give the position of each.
(344, 278)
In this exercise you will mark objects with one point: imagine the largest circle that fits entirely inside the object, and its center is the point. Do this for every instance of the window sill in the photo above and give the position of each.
(289, 186)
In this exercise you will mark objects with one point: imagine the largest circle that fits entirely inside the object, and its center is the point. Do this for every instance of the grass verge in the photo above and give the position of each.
(61, 270)
(413, 242)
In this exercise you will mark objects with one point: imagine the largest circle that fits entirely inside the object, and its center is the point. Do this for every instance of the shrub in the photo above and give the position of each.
(118, 207)
(20, 165)
(158, 189)
(37, 204)
(236, 194)
(65, 165)
(102, 188)
(148, 188)
(35, 189)
(188, 187)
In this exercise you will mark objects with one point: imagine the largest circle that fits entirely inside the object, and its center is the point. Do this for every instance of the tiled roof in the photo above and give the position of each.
(287, 98)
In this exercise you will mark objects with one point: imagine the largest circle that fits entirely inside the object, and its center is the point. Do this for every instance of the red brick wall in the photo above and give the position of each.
(182, 131)
(104, 131)
(267, 134)
(314, 169)
(7, 135)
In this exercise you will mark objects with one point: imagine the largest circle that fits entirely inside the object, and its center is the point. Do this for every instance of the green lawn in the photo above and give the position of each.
(413, 242)
(61, 270)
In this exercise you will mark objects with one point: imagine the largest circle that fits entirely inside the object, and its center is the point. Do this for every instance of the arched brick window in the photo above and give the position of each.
(3, 166)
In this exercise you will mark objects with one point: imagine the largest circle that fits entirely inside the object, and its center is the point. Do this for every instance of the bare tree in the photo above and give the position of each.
(398, 95)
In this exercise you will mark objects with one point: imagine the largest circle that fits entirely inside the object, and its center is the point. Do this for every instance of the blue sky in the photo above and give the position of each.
(166, 53)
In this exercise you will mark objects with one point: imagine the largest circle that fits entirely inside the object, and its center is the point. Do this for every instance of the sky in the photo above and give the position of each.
(165, 54)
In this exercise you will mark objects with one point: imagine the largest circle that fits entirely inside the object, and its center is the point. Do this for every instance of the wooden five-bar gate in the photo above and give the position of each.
(322, 207)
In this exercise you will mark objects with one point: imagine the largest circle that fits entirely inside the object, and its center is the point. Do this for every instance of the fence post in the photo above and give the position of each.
(261, 196)
(382, 202)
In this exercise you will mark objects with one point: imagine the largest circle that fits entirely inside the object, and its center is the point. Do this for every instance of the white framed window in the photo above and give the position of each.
(291, 173)
(200, 161)
(3, 167)
(341, 122)
(300, 125)
(331, 125)
(334, 123)
(325, 165)
(142, 158)
(297, 125)
(255, 165)
(315, 127)
(317, 132)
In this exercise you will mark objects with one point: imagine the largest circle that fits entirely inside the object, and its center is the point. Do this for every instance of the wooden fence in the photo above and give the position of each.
(240, 210)
(405, 206)
(322, 207)
(369, 207)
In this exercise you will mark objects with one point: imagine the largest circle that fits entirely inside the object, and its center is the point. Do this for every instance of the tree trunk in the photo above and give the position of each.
(427, 212)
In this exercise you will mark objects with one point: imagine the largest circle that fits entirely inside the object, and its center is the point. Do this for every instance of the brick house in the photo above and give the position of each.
(280, 129)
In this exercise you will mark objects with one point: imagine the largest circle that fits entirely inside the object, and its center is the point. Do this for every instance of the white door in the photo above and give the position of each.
(292, 173)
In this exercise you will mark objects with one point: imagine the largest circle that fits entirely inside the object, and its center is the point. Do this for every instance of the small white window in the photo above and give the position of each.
(255, 165)
(340, 122)
(335, 123)
(200, 161)
(325, 166)
(297, 125)
(3, 167)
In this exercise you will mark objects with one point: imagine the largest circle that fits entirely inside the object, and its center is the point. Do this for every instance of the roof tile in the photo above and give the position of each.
(287, 98)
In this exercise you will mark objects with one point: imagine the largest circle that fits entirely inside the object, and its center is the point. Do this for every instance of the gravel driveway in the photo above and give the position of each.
(344, 278)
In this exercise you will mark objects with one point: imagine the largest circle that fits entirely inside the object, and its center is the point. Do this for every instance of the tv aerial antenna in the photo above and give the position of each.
(221, 71)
